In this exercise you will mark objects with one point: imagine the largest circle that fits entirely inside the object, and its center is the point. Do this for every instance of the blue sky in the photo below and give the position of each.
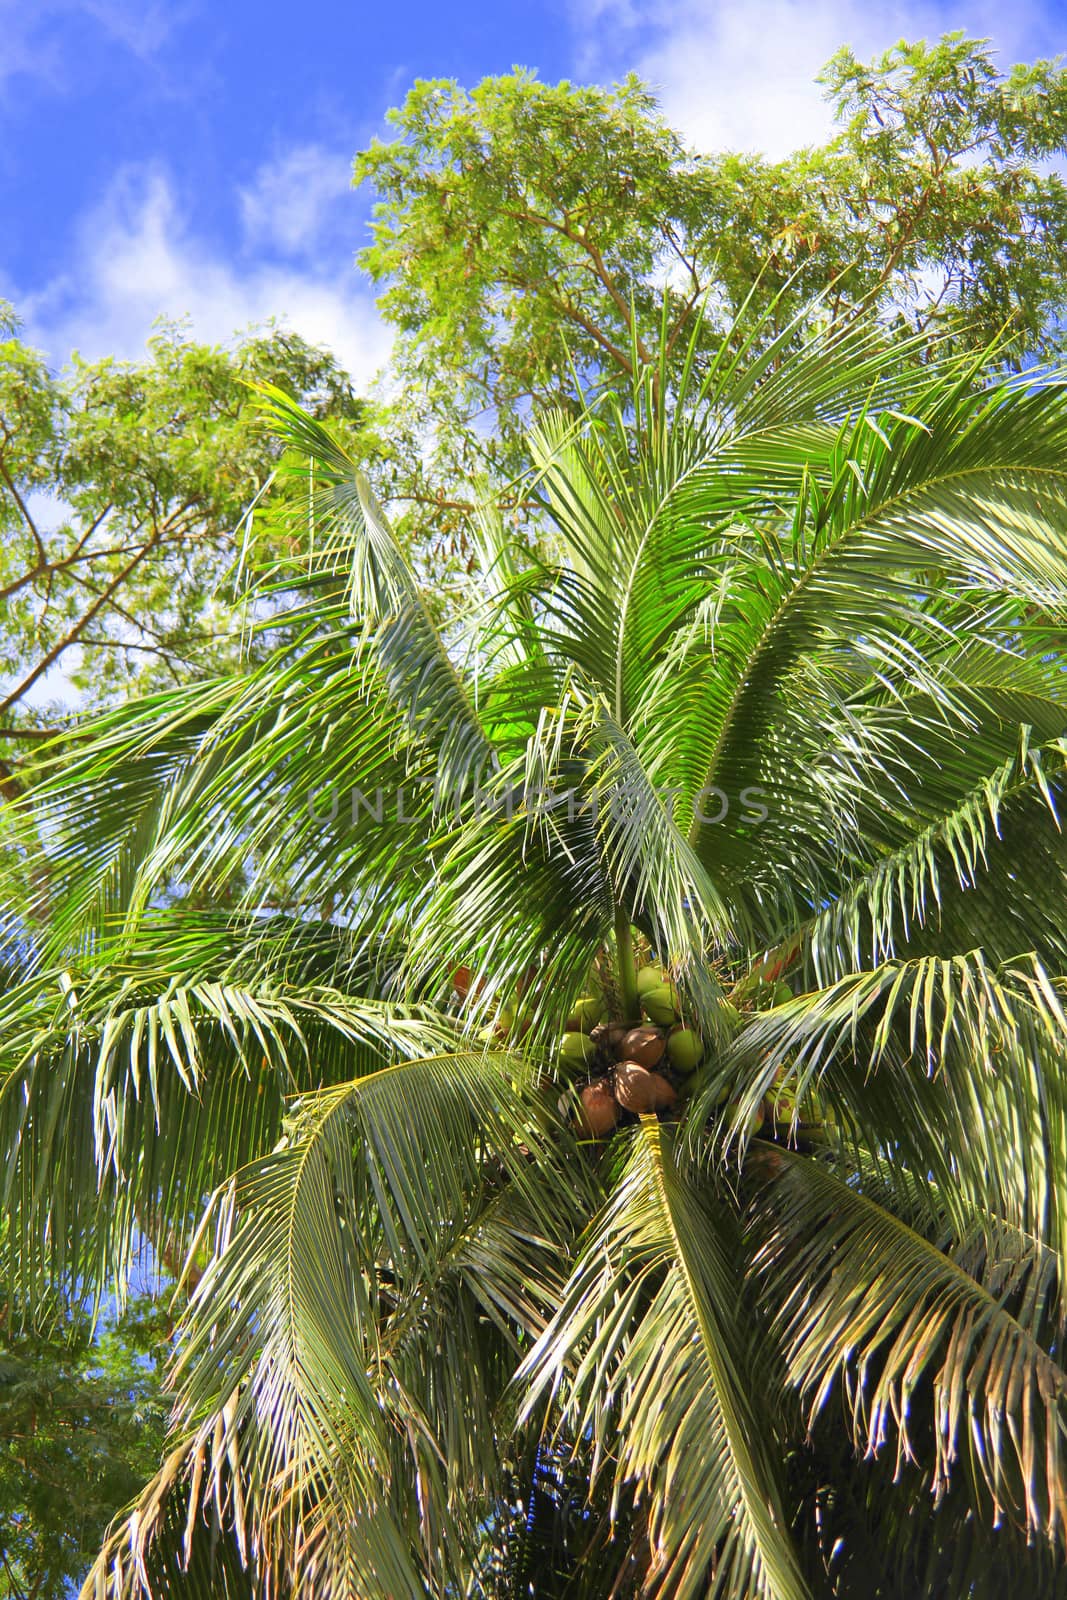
(193, 157)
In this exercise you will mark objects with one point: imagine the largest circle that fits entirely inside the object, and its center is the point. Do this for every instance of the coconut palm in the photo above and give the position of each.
(759, 734)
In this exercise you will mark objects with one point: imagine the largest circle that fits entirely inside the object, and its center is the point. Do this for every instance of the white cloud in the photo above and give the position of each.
(138, 259)
(37, 39)
(142, 28)
(741, 73)
(25, 53)
(288, 204)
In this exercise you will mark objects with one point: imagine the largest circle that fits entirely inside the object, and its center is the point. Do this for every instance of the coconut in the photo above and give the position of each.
(640, 1090)
(607, 1037)
(599, 1112)
(661, 1005)
(782, 994)
(576, 1051)
(643, 1045)
(585, 1013)
(782, 1104)
(685, 1049)
(649, 978)
(461, 981)
(818, 1114)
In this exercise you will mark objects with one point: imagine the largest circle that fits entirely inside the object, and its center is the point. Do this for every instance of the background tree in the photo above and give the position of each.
(517, 224)
(123, 489)
(83, 1420)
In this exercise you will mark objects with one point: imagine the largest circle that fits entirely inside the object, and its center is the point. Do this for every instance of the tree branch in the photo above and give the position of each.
(91, 529)
(581, 238)
(73, 634)
(42, 554)
(566, 308)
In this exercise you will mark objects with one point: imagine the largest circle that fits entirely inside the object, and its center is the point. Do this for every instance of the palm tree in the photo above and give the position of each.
(760, 729)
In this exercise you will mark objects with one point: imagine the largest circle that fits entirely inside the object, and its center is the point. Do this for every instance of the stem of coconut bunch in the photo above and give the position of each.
(624, 949)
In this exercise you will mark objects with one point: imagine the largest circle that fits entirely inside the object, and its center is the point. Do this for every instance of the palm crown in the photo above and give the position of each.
(776, 710)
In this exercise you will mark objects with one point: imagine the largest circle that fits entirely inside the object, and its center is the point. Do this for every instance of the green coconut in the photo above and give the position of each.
(661, 1005)
(576, 1051)
(685, 1049)
(585, 1013)
(649, 978)
(516, 1020)
(783, 1104)
(815, 1112)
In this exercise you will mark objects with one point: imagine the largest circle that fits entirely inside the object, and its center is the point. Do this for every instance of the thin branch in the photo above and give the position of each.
(681, 320)
(168, 654)
(597, 266)
(63, 564)
(17, 1591)
(74, 633)
(567, 308)
(169, 532)
(42, 554)
(91, 529)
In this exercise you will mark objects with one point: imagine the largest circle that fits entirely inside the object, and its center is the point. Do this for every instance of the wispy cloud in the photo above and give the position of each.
(742, 75)
(138, 258)
(143, 28)
(40, 41)
(292, 200)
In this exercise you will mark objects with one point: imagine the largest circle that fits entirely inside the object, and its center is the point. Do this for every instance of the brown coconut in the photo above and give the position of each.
(642, 1091)
(599, 1112)
(643, 1045)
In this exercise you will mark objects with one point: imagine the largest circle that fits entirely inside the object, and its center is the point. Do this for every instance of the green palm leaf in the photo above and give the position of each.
(648, 1352)
(866, 1302)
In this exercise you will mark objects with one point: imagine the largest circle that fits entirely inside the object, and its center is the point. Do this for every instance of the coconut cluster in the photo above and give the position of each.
(622, 1069)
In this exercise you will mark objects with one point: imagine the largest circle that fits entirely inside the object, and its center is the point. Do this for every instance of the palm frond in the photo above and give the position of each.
(420, 675)
(402, 1217)
(649, 1354)
(869, 1304)
(945, 1063)
(121, 1106)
